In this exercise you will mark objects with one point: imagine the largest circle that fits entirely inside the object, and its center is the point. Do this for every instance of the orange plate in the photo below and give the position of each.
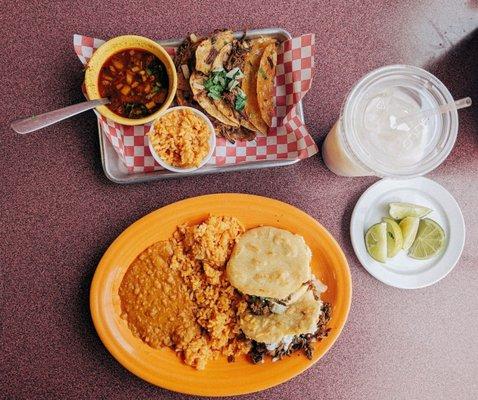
(220, 378)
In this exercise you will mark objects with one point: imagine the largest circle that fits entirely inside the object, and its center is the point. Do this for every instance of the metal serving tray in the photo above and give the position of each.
(116, 171)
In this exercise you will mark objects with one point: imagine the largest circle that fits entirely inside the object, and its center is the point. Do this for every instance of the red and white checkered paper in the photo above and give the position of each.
(287, 139)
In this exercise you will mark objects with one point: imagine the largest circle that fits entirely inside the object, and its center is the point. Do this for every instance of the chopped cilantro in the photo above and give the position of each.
(215, 84)
(220, 81)
(215, 94)
(156, 88)
(135, 110)
(263, 73)
(240, 102)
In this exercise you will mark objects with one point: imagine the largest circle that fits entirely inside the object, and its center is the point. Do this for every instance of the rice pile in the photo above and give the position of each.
(200, 253)
(181, 138)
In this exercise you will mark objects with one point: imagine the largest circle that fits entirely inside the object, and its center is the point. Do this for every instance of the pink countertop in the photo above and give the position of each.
(60, 213)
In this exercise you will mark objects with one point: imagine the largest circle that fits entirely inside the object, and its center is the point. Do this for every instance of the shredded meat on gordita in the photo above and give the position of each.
(300, 342)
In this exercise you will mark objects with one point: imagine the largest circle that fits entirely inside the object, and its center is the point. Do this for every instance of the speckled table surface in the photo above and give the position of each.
(60, 213)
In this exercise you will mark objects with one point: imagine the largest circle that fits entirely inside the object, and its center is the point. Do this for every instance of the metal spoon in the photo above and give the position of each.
(36, 122)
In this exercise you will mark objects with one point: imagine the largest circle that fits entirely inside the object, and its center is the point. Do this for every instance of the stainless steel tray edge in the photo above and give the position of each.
(116, 172)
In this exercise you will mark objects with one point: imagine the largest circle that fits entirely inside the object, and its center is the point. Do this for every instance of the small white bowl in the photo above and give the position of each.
(212, 141)
(403, 271)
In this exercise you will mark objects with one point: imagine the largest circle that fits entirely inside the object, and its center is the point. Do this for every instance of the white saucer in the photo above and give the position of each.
(402, 271)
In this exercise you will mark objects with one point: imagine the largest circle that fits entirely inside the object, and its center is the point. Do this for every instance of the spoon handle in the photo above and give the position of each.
(36, 122)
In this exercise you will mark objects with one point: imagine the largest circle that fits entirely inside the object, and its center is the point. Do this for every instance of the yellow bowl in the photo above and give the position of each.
(113, 46)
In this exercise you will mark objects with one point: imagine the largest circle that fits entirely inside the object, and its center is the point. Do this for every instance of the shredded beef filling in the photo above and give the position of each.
(237, 57)
(185, 55)
(232, 133)
(300, 342)
(259, 305)
(258, 351)
(211, 56)
(229, 97)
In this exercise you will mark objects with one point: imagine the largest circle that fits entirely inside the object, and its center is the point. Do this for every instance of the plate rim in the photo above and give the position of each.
(355, 237)
(115, 350)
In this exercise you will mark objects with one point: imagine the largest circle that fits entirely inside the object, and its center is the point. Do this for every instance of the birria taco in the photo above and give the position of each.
(230, 79)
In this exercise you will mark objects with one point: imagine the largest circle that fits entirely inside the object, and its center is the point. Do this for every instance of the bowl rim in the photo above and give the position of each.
(212, 140)
(113, 46)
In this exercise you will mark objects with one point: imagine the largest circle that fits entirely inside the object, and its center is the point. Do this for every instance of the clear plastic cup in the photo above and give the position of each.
(366, 141)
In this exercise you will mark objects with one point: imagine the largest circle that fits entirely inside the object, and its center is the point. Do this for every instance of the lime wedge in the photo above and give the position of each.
(394, 237)
(403, 210)
(409, 227)
(429, 242)
(376, 241)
